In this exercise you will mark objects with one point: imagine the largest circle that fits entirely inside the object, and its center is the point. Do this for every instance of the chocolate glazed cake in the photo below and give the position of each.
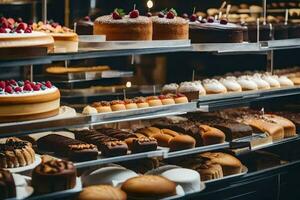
(215, 32)
(7, 185)
(75, 150)
(52, 176)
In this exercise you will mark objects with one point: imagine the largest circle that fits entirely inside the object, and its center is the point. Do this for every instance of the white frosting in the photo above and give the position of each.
(30, 93)
(231, 84)
(214, 85)
(261, 84)
(285, 81)
(272, 80)
(190, 87)
(187, 178)
(89, 110)
(247, 83)
(170, 87)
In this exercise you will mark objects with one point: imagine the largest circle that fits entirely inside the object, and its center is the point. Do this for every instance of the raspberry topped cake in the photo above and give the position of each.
(65, 40)
(15, 34)
(167, 26)
(25, 100)
(119, 26)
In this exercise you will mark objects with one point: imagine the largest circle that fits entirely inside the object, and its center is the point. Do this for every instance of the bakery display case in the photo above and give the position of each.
(120, 103)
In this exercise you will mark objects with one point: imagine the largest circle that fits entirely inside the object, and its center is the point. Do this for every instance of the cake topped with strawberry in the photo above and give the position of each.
(26, 100)
(168, 26)
(10, 25)
(121, 26)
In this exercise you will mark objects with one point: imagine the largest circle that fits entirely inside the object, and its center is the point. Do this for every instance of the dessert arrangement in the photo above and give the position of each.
(136, 103)
(16, 35)
(65, 40)
(231, 83)
(25, 100)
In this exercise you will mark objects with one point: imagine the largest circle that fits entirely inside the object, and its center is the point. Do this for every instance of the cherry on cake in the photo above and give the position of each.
(25, 100)
(168, 26)
(65, 40)
(17, 34)
(119, 26)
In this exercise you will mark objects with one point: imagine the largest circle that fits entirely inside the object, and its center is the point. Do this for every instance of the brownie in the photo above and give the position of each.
(74, 150)
(108, 146)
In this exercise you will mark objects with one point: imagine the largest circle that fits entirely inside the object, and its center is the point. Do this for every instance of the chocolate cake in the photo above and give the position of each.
(74, 150)
(294, 31)
(53, 176)
(266, 32)
(16, 153)
(85, 26)
(281, 31)
(134, 143)
(214, 31)
(108, 146)
(7, 185)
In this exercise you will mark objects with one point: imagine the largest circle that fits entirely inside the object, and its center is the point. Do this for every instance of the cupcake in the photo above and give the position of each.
(213, 86)
(170, 88)
(191, 90)
(231, 84)
(180, 98)
(102, 107)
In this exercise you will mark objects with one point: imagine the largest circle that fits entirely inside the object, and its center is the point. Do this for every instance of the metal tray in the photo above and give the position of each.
(142, 113)
(228, 178)
(118, 45)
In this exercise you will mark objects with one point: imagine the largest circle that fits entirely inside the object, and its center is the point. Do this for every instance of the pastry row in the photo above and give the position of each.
(257, 81)
(136, 103)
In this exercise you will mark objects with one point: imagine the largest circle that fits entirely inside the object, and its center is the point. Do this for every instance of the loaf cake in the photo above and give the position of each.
(288, 126)
(16, 153)
(119, 26)
(74, 150)
(208, 170)
(230, 165)
(102, 192)
(149, 187)
(168, 26)
(108, 146)
(7, 185)
(53, 176)
(25, 100)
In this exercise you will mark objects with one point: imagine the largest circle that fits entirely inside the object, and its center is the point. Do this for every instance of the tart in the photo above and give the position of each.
(130, 104)
(166, 99)
(167, 26)
(180, 98)
(117, 105)
(141, 102)
(16, 153)
(25, 100)
(102, 107)
(65, 40)
(154, 101)
(119, 26)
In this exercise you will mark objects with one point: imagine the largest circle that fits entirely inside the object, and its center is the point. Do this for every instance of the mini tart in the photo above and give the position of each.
(141, 102)
(170, 29)
(154, 101)
(127, 28)
(117, 105)
(102, 107)
(166, 99)
(180, 98)
(130, 104)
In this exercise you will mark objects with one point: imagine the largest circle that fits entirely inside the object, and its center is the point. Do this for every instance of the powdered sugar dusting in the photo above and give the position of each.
(108, 19)
(176, 20)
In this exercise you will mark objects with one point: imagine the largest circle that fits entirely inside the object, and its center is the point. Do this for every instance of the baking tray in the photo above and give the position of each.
(89, 45)
(228, 178)
(142, 113)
